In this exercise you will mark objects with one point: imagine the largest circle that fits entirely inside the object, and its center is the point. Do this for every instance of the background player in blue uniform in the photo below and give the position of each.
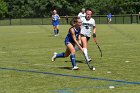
(70, 41)
(109, 17)
(55, 22)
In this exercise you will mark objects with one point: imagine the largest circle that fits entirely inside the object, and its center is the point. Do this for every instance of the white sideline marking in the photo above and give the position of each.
(38, 64)
(33, 32)
(2, 52)
(109, 72)
(127, 61)
(111, 87)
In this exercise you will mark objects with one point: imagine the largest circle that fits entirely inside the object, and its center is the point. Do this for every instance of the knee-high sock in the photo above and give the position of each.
(85, 53)
(60, 55)
(55, 32)
(72, 57)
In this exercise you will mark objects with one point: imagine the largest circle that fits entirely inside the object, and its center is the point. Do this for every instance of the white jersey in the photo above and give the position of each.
(87, 26)
(81, 15)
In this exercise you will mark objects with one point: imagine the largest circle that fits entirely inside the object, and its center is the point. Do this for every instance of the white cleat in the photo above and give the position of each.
(54, 56)
(57, 34)
(75, 68)
(89, 60)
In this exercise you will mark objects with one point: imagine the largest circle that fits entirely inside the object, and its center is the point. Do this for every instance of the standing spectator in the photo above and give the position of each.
(55, 22)
(109, 17)
(67, 19)
(139, 15)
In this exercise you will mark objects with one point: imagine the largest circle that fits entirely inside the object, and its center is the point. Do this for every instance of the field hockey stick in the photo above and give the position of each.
(94, 38)
(90, 67)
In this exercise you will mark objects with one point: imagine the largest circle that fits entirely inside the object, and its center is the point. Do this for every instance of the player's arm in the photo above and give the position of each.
(74, 38)
(94, 31)
(52, 17)
(79, 39)
(78, 15)
(58, 16)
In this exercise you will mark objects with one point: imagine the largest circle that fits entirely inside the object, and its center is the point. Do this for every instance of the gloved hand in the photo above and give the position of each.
(94, 35)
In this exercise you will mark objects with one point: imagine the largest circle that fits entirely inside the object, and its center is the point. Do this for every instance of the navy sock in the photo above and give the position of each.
(60, 55)
(55, 32)
(72, 57)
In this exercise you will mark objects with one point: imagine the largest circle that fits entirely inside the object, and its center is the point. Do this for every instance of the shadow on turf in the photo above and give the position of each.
(68, 68)
(78, 61)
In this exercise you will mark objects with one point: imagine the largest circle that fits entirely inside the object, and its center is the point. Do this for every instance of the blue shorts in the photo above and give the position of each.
(55, 23)
(67, 41)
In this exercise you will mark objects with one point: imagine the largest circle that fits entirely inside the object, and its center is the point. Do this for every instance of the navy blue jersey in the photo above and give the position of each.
(69, 38)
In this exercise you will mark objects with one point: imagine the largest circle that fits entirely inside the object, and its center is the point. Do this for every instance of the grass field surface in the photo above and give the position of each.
(26, 67)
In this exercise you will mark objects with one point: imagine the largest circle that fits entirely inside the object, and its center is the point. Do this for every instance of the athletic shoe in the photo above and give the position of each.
(54, 56)
(75, 68)
(89, 60)
(57, 34)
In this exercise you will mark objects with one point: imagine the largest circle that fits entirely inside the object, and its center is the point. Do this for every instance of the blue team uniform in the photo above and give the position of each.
(55, 20)
(109, 15)
(69, 38)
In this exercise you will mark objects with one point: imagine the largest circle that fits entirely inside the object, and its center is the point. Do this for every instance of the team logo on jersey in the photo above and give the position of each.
(87, 25)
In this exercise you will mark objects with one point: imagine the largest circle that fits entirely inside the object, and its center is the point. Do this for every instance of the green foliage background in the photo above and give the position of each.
(42, 8)
(3, 8)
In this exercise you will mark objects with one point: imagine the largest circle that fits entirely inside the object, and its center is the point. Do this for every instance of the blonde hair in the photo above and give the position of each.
(83, 9)
(54, 11)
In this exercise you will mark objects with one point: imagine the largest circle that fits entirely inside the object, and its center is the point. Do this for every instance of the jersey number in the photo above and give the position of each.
(86, 27)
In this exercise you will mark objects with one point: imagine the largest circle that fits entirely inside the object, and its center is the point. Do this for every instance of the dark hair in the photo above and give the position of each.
(74, 20)
(88, 9)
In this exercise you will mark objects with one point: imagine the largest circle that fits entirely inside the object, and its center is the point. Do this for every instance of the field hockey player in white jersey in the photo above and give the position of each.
(82, 14)
(88, 27)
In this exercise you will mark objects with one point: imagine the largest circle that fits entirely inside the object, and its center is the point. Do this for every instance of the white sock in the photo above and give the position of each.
(85, 53)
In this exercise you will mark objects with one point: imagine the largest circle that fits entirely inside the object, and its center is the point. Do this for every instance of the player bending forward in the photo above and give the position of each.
(70, 41)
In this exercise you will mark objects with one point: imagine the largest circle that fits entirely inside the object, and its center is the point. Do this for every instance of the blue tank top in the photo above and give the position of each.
(69, 36)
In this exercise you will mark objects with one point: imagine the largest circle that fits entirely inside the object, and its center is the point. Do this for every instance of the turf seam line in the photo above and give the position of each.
(74, 76)
(66, 90)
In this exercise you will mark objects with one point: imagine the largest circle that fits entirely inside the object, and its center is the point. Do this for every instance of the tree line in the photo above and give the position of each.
(43, 8)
